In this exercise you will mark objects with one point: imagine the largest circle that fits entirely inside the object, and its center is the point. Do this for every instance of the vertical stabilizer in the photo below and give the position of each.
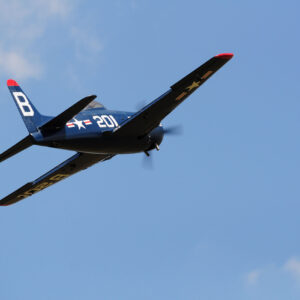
(31, 117)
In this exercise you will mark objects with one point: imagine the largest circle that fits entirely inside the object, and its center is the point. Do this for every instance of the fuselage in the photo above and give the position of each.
(91, 132)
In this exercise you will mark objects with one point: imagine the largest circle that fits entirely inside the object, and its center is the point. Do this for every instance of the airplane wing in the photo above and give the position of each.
(74, 164)
(151, 115)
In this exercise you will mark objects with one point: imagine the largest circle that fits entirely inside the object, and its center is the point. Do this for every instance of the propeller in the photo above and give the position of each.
(148, 159)
(173, 130)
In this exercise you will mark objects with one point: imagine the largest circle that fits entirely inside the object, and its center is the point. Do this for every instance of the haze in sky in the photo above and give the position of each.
(218, 216)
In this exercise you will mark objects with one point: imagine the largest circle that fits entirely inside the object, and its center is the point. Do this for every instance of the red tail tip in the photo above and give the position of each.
(11, 82)
(225, 55)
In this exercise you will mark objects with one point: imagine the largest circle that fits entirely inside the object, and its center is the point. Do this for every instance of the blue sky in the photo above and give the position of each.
(218, 217)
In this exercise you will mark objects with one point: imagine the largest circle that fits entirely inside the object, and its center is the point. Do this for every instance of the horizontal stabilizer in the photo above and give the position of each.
(61, 120)
(20, 146)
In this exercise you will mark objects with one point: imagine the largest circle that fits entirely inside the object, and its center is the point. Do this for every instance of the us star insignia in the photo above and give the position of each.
(194, 85)
(79, 124)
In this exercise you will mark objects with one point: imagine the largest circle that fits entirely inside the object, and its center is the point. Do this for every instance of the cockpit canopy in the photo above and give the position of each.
(94, 104)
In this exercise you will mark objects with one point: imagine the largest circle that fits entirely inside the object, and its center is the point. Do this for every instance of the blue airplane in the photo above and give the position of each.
(96, 133)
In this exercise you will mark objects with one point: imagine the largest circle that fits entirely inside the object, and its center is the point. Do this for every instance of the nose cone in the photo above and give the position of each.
(156, 136)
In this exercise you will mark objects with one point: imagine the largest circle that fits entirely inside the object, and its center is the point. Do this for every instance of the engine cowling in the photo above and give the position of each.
(155, 137)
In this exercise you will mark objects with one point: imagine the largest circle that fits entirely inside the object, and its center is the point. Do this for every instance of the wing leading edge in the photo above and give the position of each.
(151, 115)
(74, 164)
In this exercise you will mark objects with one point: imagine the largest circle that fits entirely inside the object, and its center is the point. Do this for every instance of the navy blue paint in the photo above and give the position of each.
(135, 132)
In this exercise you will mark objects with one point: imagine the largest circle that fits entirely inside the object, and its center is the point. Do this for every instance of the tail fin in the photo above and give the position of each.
(31, 117)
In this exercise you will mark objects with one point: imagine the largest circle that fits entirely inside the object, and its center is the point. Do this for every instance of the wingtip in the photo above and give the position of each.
(11, 82)
(225, 55)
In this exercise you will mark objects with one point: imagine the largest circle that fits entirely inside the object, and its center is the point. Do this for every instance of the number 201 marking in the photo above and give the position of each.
(105, 121)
